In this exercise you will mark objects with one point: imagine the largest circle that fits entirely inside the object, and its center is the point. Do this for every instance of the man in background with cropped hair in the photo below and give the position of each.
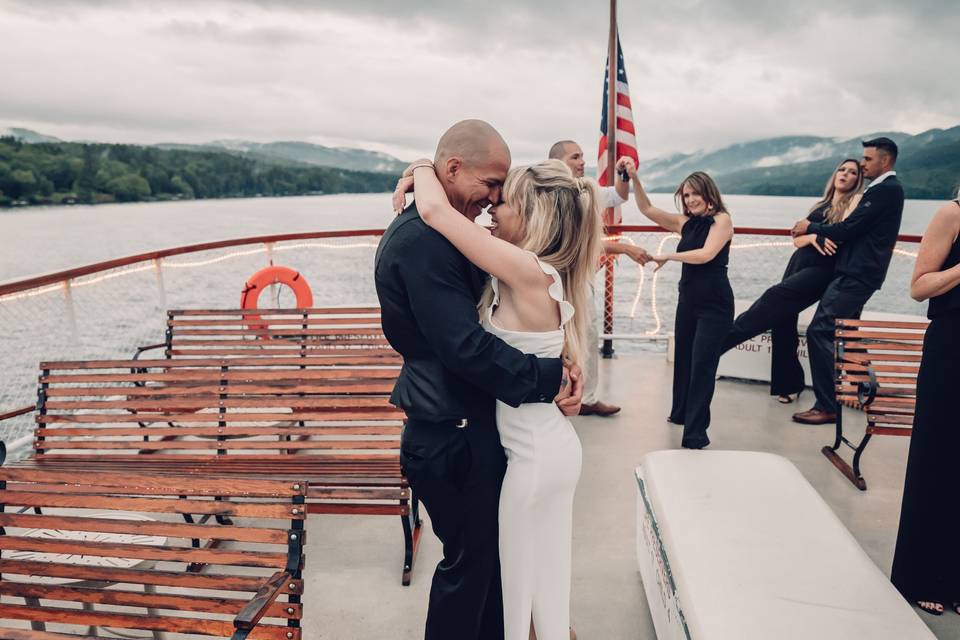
(570, 153)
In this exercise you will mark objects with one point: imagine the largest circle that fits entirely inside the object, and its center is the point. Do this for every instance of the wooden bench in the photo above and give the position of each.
(305, 418)
(335, 331)
(117, 544)
(877, 366)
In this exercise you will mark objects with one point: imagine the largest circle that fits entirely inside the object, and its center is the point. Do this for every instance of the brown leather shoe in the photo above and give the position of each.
(598, 409)
(815, 416)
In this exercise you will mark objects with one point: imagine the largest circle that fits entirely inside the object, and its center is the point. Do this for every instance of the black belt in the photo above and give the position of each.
(454, 423)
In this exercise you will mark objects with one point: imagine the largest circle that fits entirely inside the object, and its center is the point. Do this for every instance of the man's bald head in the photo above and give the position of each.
(472, 161)
(559, 149)
(571, 153)
(473, 141)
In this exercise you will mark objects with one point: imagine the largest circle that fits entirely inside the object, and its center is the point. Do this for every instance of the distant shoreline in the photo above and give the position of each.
(80, 205)
(63, 205)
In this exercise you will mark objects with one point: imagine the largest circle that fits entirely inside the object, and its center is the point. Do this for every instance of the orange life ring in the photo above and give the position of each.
(262, 279)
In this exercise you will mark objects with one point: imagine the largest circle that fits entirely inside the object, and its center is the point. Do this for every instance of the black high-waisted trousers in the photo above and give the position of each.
(777, 310)
(704, 317)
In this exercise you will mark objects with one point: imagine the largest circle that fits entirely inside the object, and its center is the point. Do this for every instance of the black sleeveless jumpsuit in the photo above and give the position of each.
(704, 317)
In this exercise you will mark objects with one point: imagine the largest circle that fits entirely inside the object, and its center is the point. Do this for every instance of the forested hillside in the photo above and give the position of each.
(70, 172)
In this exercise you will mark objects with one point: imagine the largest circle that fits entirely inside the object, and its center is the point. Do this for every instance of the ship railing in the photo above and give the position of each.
(108, 309)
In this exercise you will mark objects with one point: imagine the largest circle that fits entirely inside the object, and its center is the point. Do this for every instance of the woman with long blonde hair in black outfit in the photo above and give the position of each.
(705, 304)
(808, 273)
(926, 566)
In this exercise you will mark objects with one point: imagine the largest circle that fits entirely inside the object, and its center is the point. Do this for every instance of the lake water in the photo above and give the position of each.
(46, 239)
(110, 318)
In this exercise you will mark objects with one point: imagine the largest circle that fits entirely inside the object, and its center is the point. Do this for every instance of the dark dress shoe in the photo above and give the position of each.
(815, 416)
(598, 409)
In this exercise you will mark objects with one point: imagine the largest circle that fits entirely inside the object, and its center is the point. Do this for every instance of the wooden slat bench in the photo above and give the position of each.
(331, 424)
(877, 366)
(340, 331)
(116, 543)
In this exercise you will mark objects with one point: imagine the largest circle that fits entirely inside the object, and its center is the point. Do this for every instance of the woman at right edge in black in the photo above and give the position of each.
(705, 302)
(809, 271)
(926, 565)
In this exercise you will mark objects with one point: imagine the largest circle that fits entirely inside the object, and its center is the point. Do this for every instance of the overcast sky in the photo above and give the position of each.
(391, 76)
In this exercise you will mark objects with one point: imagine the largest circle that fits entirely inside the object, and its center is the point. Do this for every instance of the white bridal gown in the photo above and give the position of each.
(536, 502)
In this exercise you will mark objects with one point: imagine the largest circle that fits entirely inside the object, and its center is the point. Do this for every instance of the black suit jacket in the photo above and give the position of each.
(452, 368)
(869, 234)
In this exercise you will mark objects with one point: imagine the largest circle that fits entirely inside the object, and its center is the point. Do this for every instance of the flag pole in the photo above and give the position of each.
(608, 215)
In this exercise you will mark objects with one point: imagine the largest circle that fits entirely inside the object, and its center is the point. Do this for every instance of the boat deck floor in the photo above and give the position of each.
(354, 563)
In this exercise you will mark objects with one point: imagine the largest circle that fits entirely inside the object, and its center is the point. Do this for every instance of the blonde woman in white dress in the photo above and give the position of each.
(541, 255)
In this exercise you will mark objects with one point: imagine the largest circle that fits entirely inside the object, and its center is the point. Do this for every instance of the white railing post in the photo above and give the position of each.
(71, 312)
(272, 290)
(161, 289)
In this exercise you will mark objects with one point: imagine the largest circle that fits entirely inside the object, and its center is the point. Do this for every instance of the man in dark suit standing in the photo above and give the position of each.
(453, 371)
(867, 238)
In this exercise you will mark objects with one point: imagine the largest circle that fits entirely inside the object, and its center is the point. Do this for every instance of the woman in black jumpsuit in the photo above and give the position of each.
(705, 304)
(807, 275)
(926, 566)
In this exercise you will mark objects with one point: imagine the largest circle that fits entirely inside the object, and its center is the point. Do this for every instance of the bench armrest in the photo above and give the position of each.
(250, 615)
(7, 416)
(148, 347)
(17, 412)
(867, 391)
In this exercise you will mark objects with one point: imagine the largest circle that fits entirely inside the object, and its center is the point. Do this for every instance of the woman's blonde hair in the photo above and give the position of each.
(704, 186)
(833, 214)
(560, 223)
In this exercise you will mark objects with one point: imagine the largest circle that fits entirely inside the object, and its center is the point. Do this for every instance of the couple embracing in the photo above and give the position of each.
(491, 326)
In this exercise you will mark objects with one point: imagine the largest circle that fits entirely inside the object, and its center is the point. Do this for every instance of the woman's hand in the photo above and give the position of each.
(660, 260)
(638, 254)
(404, 186)
(627, 164)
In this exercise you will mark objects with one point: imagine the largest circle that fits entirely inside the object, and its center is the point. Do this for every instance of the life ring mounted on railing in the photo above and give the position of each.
(266, 277)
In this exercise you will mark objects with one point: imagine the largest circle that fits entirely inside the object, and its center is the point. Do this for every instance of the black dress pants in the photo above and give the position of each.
(699, 331)
(777, 311)
(844, 298)
(456, 473)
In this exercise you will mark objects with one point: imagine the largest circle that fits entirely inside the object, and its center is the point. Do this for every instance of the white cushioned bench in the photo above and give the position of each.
(737, 545)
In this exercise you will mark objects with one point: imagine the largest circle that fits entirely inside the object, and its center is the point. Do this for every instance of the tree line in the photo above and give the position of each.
(70, 172)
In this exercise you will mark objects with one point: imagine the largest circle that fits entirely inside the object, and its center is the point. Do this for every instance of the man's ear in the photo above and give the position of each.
(451, 168)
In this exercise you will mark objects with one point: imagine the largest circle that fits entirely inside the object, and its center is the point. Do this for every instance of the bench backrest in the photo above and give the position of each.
(352, 331)
(153, 545)
(877, 366)
(253, 409)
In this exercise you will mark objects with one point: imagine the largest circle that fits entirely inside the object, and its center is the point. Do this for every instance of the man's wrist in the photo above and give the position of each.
(550, 374)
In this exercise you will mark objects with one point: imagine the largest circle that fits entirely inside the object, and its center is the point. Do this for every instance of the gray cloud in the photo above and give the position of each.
(213, 31)
(393, 75)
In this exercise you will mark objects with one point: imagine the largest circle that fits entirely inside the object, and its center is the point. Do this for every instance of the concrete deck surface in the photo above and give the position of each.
(353, 586)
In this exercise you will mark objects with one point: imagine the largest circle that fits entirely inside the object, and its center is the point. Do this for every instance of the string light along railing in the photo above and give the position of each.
(105, 309)
(158, 261)
(620, 233)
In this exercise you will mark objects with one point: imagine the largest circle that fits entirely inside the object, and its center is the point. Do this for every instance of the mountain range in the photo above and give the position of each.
(302, 153)
(929, 164)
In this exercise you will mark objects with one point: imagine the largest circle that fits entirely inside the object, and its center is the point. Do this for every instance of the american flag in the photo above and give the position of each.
(626, 139)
